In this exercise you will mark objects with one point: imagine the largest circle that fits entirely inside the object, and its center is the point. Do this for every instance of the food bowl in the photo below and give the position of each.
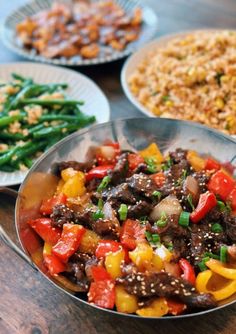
(132, 134)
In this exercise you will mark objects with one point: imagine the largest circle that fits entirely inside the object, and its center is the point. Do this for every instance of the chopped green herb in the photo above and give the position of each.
(202, 265)
(105, 181)
(165, 98)
(211, 255)
(216, 228)
(157, 194)
(143, 220)
(123, 210)
(162, 221)
(97, 215)
(190, 201)
(151, 164)
(170, 246)
(223, 253)
(152, 238)
(184, 218)
(155, 238)
(148, 236)
(166, 166)
(100, 204)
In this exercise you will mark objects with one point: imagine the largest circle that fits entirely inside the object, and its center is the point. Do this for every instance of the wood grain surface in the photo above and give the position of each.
(31, 304)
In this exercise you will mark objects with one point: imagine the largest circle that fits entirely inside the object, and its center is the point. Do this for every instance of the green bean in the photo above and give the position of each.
(5, 158)
(18, 77)
(51, 102)
(7, 168)
(12, 136)
(28, 162)
(57, 117)
(35, 128)
(10, 119)
(27, 150)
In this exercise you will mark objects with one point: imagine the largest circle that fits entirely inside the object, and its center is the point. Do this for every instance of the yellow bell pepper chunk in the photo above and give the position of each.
(163, 253)
(60, 186)
(142, 254)
(157, 262)
(158, 308)
(125, 302)
(67, 173)
(89, 242)
(152, 151)
(47, 249)
(195, 160)
(74, 186)
(37, 256)
(201, 285)
(113, 263)
(220, 269)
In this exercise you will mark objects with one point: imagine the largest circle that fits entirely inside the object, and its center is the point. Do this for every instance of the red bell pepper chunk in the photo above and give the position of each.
(54, 265)
(106, 246)
(232, 199)
(159, 178)
(48, 204)
(45, 230)
(188, 271)
(221, 184)
(98, 172)
(207, 201)
(99, 273)
(212, 164)
(134, 160)
(175, 307)
(69, 242)
(102, 293)
(131, 232)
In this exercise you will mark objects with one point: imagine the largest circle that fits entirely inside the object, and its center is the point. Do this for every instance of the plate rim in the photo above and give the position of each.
(83, 62)
(46, 66)
(145, 50)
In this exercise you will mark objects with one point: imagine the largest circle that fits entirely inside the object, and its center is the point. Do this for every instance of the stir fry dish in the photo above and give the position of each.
(142, 233)
(82, 29)
(33, 117)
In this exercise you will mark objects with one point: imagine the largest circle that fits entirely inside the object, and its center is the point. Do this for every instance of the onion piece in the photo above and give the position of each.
(107, 152)
(169, 205)
(110, 214)
(192, 187)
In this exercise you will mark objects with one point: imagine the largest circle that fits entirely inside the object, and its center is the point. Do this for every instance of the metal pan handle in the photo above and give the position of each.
(4, 236)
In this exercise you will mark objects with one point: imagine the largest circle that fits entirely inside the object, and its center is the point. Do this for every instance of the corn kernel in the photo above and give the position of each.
(219, 103)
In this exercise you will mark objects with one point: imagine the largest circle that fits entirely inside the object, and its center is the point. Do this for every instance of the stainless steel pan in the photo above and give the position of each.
(40, 182)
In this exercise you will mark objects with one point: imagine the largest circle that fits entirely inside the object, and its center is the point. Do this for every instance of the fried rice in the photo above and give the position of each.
(192, 78)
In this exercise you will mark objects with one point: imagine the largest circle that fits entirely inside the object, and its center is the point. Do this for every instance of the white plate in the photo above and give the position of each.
(80, 88)
(132, 62)
(148, 31)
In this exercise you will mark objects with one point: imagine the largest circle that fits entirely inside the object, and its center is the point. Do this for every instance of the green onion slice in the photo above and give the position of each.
(184, 219)
(123, 210)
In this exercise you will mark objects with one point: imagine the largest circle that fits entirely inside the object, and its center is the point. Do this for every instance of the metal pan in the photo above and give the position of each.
(136, 133)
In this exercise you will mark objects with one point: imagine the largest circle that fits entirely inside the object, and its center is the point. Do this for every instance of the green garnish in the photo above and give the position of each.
(97, 215)
(100, 204)
(105, 181)
(202, 265)
(151, 164)
(184, 218)
(217, 228)
(157, 194)
(123, 210)
(170, 246)
(167, 164)
(165, 98)
(190, 201)
(152, 238)
(224, 207)
(143, 220)
(211, 255)
(223, 253)
(162, 221)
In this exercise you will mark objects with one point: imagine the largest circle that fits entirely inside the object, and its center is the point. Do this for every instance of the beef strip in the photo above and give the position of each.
(120, 194)
(178, 155)
(165, 285)
(230, 223)
(140, 209)
(61, 215)
(119, 173)
(106, 228)
(142, 184)
(203, 178)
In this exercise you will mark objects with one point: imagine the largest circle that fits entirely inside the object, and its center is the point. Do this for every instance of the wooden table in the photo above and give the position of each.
(28, 302)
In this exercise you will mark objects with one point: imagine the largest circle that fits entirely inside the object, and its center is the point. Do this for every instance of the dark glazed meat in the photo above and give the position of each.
(119, 173)
(230, 223)
(142, 184)
(80, 166)
(165, 285)
(61, 215)
(142, 208)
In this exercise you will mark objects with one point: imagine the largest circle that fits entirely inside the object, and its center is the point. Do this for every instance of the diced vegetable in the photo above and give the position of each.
(184, 219)
(152, 151)
(89, 242)
(175, 307)
(74, 186)
(158, 308)
(44, 228)
(124, 301)
(207, 201)
(102, 293)
(195, 160)
(113, 263)
(48, 204)
(135, 160)
(163, 253)
(131, 233)
(141, 255)
(188, 271)
(212, 164)
(69, 241)
(221, 184)
(99, 273)
(107, 246)
(169, 205)
(232, 198)
(221, 269)
(98, 172)
(159, 178)
(54, 265)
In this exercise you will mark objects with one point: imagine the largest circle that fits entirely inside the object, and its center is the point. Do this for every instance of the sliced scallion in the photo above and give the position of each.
(223, 253)
(184, 219)
(217, 228)
(123, 210)
(104, 183)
